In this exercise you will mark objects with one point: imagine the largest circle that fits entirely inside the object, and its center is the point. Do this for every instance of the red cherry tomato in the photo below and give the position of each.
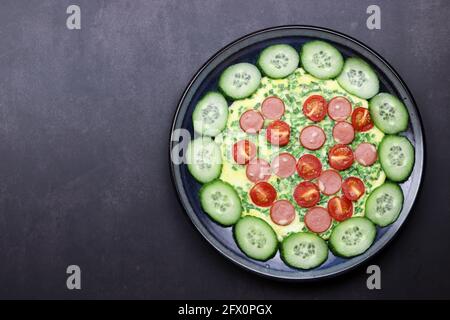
(340, 157)
(361, 119)
(278, 133)
(306, 194)
(353, 188)
(244, 151)
(340, 208)
(315, 108)
(263, 194)
(309, 167)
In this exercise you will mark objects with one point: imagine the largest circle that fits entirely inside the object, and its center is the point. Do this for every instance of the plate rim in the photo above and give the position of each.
(350, 264)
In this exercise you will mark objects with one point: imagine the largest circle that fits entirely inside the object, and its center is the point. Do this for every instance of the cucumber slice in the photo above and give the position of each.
(240, 80)
(352, 237)
(278, 61)
(396, 157)
(210, 114)
(304, 250)
(389, 114)
(384, 204)
(221, 202)
(255, 238)
(321, 59)
(358, 78)
(204, 159)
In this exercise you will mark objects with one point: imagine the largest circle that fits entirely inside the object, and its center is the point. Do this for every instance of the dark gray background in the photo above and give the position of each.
(84, 128)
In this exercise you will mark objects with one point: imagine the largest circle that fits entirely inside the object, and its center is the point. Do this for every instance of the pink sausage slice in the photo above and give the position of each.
(258, 170)
(312, 137)
(317, 219)
(284, 165)
(251, 121)
(272, 108)
(339, 108)
(329, 182)
(343, 132)
(282, 212)
(366, 154)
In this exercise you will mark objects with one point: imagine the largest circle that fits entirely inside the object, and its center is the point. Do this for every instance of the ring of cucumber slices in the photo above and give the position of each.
(254, 236)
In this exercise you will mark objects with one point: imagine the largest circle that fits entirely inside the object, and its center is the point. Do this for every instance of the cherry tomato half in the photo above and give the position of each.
(306, 194)
(309, 167)
(263, 194)
(315, 108)
(353, 188)
(340, 208)
(340, 157)
(244, 151)
(278, 133)
(361, 119)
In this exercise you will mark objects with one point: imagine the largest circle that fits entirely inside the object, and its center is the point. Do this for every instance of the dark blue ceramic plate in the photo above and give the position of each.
(247, 49)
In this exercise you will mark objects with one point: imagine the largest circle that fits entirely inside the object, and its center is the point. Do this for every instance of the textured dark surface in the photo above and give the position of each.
(84, 130)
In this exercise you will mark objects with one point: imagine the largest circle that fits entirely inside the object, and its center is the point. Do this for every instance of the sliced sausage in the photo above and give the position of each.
(251, 121)
(284, 165)
(312, 137)
(339, 108)
(317, 219)
(329, 182)
(272, 108)
(258, 170)
(343, 132)
(282, 212)
(366, 154)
